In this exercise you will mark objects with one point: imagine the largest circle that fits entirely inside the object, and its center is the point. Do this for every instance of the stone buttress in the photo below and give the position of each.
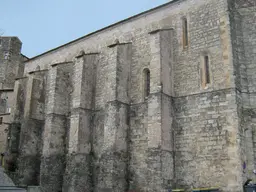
(31, 129)
(160, 112)
(59, 88)
(25, 134)
(17, 118)
(113, 157)
(78, 176)
(243, 38)
(85, 126)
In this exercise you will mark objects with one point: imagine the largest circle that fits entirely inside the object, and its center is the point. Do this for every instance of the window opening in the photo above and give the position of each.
(146, 74)
(207, 71)
(6, 55)
(8, 110)
(185, 32)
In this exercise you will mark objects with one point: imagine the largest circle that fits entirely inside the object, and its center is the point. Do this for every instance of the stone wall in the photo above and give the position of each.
(85, 114)
(137, 148)
(136, 30)
(6, 99)
(31, 129)
(10, 61)
(10, 68)
(243, 42)
(206, 134)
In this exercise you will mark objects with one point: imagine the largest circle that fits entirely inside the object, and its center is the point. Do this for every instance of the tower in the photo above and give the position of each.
(10, 68)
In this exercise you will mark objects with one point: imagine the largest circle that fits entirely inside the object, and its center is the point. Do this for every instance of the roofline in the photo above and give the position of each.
(102, 29)
(25, 56)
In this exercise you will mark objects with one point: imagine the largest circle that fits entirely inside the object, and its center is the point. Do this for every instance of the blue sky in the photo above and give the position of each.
(45, 24)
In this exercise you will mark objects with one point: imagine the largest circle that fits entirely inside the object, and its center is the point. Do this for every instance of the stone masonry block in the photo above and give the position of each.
(78, 176)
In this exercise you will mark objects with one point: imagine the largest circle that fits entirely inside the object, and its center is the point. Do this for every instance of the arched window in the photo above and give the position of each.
(146, 83)
(185, 32)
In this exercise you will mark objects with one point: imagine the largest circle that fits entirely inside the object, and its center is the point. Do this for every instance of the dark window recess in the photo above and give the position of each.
(185, 32)
(146, 82)
(207, 71)
(6, 55)
(1, 120)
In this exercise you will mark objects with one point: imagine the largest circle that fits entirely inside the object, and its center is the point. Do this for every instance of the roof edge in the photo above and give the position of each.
(24, 56)
(103, 29)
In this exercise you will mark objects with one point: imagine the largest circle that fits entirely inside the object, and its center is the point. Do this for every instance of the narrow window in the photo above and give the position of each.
(6, 55)
(3, 105)
(207, 71)
(146, 74)
(206, 76)
(8, 110)
(1, 120)
(185, 32)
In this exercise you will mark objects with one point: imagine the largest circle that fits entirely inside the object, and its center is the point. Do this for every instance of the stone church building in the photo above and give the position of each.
(164, 99)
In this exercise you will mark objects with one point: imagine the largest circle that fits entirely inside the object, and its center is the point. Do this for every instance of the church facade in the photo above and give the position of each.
(164, 99)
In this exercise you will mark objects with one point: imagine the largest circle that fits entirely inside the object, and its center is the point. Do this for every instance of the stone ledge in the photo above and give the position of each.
(115, 44)
(5, 114)
(188, 95)
(76, 109)
(6, 90)
(159, 30)
(18, 78)
(61, 63)
(38, 71)
(82, 53)
(117, 101)
(56, 114)
(5, 123)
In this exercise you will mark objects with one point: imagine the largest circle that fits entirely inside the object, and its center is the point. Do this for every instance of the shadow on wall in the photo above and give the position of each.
(9, 162)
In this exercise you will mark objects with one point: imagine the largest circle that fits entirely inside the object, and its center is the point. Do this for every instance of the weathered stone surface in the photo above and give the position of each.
(11, 67)
(137, 138)
(78, 175)
(243, 40)
(5, 180)
(103, 133)
(56, 126)
(206, 133)
(28, 169)
(113, 158)
(52, 171)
